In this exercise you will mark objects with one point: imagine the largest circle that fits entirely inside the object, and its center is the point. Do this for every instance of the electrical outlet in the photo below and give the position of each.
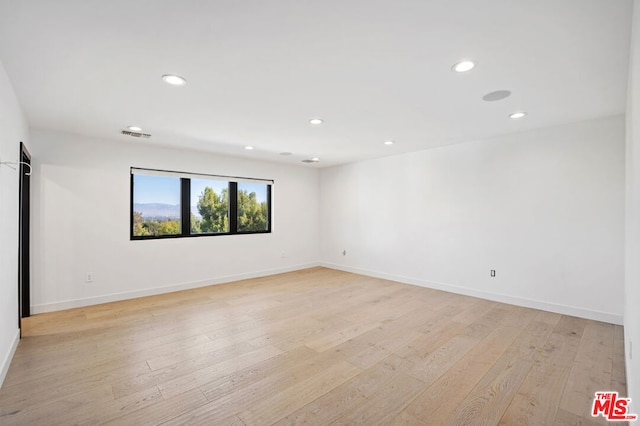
(89, 277)
(493, 272)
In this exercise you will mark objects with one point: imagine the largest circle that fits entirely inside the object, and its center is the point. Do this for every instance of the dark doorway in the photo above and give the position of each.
(24, 294)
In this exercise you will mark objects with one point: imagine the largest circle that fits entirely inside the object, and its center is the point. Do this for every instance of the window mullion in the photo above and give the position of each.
(268, 208)
(131, 214)
(233, 207)
(185, 207)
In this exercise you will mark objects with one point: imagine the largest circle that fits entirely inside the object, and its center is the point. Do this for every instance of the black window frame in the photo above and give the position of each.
(185, 207)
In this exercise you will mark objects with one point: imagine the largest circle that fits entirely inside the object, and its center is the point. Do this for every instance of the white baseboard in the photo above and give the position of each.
(114, 297)
(527, 303)
(6, 362)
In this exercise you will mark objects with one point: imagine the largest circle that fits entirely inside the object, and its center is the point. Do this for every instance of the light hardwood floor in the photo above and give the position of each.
(311, 347)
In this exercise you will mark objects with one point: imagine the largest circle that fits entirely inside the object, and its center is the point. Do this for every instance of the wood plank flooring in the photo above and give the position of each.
(314, 347)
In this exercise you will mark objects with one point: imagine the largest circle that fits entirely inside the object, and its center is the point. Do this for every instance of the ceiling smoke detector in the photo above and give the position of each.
(135, 134)
(496, 96)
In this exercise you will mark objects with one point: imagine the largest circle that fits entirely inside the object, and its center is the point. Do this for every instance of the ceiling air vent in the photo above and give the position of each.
(136, 134)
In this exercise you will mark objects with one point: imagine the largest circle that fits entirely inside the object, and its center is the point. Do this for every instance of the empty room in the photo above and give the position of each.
(341, 212)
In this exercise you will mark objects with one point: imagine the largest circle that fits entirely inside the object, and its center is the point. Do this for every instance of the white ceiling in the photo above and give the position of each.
(258, 70)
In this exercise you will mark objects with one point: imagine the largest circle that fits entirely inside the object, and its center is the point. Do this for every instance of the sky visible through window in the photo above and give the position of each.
(198, 186)
(166, 189)
(259, 188)
(156, 189)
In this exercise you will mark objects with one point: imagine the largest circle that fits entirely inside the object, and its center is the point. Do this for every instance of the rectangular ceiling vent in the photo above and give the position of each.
(136, 134)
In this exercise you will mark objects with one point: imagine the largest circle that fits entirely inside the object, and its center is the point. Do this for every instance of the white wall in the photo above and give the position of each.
(632, 278)
(13, 130)
(80, 215)
(545, 209)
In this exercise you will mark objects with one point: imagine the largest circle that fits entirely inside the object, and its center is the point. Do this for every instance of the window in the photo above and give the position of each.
(209, 206)
(252, 207)
(156, 206)
(175, 204)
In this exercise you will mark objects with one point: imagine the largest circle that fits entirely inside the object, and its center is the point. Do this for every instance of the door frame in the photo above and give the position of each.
(24, 276)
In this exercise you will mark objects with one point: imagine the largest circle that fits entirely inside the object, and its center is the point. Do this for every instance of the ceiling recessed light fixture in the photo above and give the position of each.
(248, 147)
(286, 153)
(390, 142)
(315, 159)
(316, 121)
(174, 80)
(517, 115)
(463, 66)
(135, 128)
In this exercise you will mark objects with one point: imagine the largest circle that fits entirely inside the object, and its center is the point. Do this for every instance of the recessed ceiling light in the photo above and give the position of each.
(390, 142)
(286, 153)
(174, 80)
(135, 128)
(517, 115)
(316, 121)
(463, 66)
(248, 148)
(315, 159)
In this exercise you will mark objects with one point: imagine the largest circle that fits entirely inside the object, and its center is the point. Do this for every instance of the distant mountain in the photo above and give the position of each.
(160, 211)
(157, 211)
